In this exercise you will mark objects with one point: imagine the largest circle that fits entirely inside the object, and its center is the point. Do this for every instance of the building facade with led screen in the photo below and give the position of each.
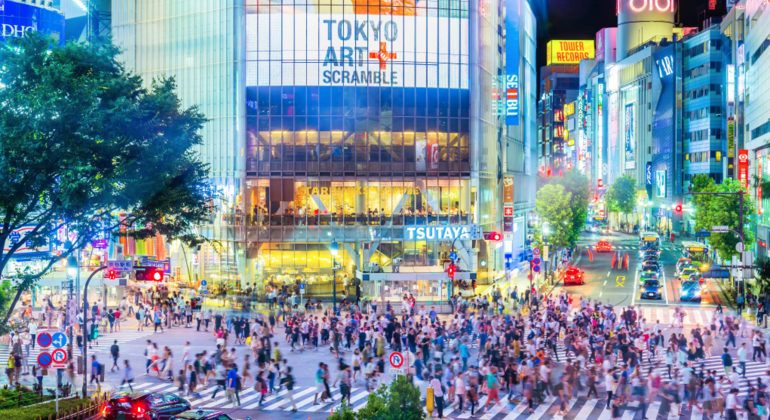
(375, 128)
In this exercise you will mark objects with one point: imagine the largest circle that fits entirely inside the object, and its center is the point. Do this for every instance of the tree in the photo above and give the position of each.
(554, 207)
(763, 272)
(712, 210)
(621, 197)
(87, 149)
(399, 402)
(575, 183)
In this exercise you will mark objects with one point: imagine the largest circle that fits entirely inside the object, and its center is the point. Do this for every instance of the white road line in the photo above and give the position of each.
(586, 410)
(630, 414)
(283, 401)
(605, 282)
(665, 288)
(608, 273)
(516, 412)
(636, 283)
(600, 293)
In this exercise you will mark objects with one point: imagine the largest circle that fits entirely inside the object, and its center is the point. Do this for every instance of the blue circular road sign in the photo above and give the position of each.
(453, 256)
(44, 339)
(203, 282)
(536, 269)
(536, 261)
(59, 340)
(44, 359)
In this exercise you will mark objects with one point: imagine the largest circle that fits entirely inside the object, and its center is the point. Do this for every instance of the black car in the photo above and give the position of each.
(651, 266)
(202, 414)
(144, 406)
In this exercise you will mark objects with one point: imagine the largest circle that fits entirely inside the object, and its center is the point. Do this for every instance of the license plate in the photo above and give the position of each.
(650, 294)
(121, 417)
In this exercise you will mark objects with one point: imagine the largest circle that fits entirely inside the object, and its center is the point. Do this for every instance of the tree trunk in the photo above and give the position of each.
(13, 305)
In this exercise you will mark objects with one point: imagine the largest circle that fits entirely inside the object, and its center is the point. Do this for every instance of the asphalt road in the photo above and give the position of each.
(621, 287)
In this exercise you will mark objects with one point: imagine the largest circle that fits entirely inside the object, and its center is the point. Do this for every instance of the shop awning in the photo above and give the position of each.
(414, 274)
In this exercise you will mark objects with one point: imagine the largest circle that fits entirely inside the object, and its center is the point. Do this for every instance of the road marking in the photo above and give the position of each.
(665, 287)
(605, 282)
(609, 272)
(600, 293)
(636, 283)
(619, 282)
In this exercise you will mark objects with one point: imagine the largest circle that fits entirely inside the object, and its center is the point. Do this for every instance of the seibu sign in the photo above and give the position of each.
(743, 168)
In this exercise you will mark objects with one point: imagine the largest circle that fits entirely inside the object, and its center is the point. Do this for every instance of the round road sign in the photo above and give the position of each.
(203, 282)
(44, 359)
(396, 359)
(59, 340)
(536, 251)
(536, 269)
(44, 339)
(536, 261)
(59, 356)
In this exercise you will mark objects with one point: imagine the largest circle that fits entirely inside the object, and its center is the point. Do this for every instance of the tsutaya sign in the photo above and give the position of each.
(441, 233)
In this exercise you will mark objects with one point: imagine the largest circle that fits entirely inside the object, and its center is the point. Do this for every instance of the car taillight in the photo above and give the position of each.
(105, 410)
(139, 410)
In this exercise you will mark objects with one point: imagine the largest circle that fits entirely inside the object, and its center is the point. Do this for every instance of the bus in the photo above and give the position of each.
(696, 251)
(649, 240)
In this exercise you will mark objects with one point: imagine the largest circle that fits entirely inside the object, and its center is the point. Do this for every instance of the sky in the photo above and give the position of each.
(71, 10)
(582, 19)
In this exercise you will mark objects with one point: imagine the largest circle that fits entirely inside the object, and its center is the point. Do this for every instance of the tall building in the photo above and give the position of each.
(559, 87)
(349, 134)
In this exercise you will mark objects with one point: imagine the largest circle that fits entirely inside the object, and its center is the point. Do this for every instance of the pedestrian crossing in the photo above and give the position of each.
(668, 316)
(672, 248)
(105, 342)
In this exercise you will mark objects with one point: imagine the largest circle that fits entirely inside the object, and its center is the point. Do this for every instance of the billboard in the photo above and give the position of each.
(508, 189)
(743, 168)
(613, 133)
(512, 57)
(16, 19)
(569, 52)
(730, 137)
(352, 43)
(660, 184)
(605, 44)
(630, 138)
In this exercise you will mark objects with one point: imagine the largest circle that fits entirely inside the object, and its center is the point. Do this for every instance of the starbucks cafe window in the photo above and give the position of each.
(287, 202)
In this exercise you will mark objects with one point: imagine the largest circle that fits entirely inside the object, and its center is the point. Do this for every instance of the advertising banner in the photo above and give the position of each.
(512, 57)
(432, 152)
(421, 158)
(600, 45)
(630, 139)
(613, 132)
(508, 189)
(743, 168)
(16, 19)
(569, 51)
(759, 181)
(660, 184)
(648, 178)
(350, 43)
(27, 248)
(731, 137)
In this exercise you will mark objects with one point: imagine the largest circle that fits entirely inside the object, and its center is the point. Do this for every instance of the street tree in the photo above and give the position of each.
(713, 210)
(87, 149)
(763, 273)
(575, 183)
(553, 204)
(621, 197)
(400, 401)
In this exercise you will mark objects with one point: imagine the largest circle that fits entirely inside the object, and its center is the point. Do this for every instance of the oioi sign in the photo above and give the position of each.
(650, 5)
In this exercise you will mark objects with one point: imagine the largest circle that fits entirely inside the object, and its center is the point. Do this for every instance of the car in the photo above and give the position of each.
(692, 289)
(603, 246)
(687, 273)
(682, 264)
(650, 258)
(201, 414)
(144, 405)
(649, 275)
(651, 266)
(652, 289)
(573, 276)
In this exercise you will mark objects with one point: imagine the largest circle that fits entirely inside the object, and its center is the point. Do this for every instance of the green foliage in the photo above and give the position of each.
(44, 410)
(554, 206)
(621, 197)
(87, 148)
(344, 412)
(399, 402)
(712, 210)
(575, 183)
(763, 271)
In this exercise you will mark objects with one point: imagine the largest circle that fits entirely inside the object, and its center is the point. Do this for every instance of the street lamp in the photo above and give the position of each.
(72, 267)
(334, 248)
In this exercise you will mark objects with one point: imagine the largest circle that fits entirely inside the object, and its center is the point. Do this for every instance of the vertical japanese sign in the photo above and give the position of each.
(743, 168)
(730, 137)
(630, 139)
(508, 190)
(759, 181)
(512, 57)
(599, 143)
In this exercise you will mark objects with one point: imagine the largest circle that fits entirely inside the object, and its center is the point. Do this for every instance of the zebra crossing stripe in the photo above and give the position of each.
(517, 411)
(363, 394)
(335, 397)
(630, 414)
(569, 408)
(542, 408)
(587, 408)
(284, 401)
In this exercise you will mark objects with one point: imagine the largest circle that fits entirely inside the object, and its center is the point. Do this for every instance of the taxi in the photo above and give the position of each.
(603, 246)
(573, 276)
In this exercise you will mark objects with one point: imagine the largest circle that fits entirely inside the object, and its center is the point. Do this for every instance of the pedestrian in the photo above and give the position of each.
(288, 381)
(95, 370)
(140, 317)
(115, 353)
(742, 359)
(158, 317)
(148, 354)
(727, 362)
(128, 375)
(732, 407)
(438, 396)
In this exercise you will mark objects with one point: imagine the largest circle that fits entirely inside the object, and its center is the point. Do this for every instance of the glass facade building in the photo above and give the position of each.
(378, 126)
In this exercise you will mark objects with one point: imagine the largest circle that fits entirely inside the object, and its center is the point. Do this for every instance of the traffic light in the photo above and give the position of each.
(149, 274)
(493, 236)
(678, 207)
(450, 271)
(111, 274)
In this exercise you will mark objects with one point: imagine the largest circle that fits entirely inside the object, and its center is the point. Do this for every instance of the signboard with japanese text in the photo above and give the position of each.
(743, 168)
(508, 189)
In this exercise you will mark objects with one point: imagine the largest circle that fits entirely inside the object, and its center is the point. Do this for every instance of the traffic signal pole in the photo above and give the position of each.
(86, 332)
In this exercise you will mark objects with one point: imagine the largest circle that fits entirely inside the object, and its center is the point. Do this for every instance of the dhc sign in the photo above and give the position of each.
(440, 233)
(19, 19)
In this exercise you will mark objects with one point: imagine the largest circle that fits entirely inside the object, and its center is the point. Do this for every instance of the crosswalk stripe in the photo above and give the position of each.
(482, 401)
(335, 397)
(285, 401)
(518, 410)
(630, 414)
(606, 414)
(244, 400)
(569, 408)
(215, 403)
(652, 410)
(495, 409)
(542, 409)
(586, 410)
(363, 394)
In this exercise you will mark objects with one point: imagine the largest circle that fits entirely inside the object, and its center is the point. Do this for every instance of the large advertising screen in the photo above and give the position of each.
(357, 43)
(16, 19)
(613, 132)
(569, 51)
(630, 138)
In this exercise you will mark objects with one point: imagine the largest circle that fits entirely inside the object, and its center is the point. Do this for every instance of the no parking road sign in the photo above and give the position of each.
(396, 360)
(44, 340)
(44, 359)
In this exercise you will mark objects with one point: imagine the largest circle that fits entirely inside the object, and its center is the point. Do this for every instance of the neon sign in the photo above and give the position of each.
(651, 5)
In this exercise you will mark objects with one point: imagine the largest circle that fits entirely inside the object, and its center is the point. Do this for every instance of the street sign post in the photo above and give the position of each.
(703, 233)
(59, 357)
(720, 229)
(44, 340)
(59, 340)
(124, 266)
(453, 256)
(44, 359)
(394, 371)
(396, 359)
